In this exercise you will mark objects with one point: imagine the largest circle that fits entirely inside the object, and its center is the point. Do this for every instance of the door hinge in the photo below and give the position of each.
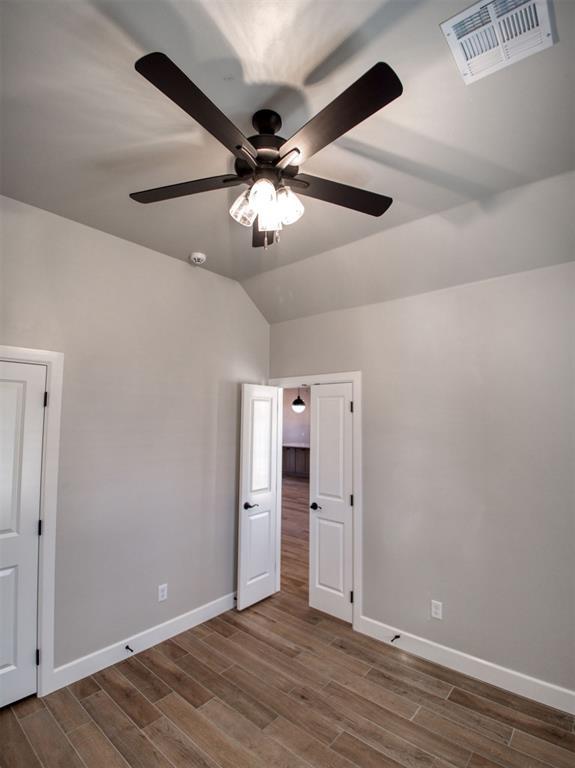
(39, 527)
(351, 597)
(37, 657)
(45, 399)
(351, 405)
(351, 500)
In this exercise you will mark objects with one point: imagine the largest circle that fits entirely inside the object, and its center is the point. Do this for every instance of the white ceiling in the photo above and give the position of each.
(81, 129)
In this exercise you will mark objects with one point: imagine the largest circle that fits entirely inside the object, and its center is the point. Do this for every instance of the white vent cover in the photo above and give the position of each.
(491, 35)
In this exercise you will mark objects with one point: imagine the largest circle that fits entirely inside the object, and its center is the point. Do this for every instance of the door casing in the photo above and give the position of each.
(354, 378)
(54, 362)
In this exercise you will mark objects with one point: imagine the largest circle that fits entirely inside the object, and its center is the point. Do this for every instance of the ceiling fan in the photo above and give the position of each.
(266, 163)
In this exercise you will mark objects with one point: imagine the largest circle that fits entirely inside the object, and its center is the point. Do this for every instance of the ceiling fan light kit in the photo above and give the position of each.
(268, 164)
(242, 210)
(290, 206)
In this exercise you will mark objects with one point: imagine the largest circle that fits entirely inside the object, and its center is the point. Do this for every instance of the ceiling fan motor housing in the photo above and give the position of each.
(268, 147)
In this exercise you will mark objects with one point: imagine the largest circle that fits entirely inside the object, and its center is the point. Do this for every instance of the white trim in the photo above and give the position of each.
(54, 362)
(292, 382)
(279, 488)
(353, 377)
(502, 677)
(112, 654)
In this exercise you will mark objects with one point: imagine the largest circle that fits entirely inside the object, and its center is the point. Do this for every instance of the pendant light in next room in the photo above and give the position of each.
(298, 404)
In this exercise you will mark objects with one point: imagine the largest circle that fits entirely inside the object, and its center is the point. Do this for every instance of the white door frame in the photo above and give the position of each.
(354, 378)
(54, 362)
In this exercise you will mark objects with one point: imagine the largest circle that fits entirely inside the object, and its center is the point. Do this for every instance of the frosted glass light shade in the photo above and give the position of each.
(290, 206)
(242, 211)
(262, 195)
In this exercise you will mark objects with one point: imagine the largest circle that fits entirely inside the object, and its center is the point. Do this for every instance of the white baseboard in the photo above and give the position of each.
(112, 654)
(516, 682)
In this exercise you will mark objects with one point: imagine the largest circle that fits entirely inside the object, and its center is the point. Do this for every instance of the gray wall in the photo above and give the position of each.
(296, 425)
(154, 354)
(468, 437)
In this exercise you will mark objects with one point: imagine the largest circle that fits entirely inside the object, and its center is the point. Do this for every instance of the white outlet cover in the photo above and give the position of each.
(436, 609)
(162, 592)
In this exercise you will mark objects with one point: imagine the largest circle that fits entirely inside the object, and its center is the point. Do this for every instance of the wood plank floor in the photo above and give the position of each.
(282, 685)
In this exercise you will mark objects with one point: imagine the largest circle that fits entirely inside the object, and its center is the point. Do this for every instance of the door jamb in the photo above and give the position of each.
(54, 362)
(353, 378)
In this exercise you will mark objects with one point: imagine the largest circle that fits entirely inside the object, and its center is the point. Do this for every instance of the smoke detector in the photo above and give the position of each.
(197, 258)
(492, 35)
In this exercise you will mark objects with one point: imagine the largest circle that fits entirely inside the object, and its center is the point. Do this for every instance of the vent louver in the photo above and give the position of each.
(489, 36)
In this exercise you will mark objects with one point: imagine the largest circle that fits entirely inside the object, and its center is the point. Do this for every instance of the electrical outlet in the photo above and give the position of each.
(436, 609)
(162, 592)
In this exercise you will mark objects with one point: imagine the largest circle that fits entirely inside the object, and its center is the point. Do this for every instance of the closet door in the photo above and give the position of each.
(22, 388)
(331, 509)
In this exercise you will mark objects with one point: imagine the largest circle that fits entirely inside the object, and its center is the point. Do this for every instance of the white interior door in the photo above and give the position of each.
(258, 503)
(331, 509)
(22, 388)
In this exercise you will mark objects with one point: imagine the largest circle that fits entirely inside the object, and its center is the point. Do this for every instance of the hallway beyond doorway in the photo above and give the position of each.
(295, 536)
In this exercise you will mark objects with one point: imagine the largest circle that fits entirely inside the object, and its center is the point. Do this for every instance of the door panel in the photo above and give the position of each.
(261, 444)
(21, 429)
(258, 524)
(8, 581)
(330, 569)
(259, 545)
(331, 525)
(11, 427)
(330, 424)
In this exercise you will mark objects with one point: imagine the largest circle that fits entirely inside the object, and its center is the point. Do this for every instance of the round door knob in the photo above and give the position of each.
(250, 506)
(314, 506)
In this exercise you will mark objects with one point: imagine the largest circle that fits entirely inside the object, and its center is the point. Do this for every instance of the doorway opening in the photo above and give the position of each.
(295, 492)
(321, 490)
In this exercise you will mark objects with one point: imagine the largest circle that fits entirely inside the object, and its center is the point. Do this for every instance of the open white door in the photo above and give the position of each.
(258, 503)
(331, 508)
(22, 388)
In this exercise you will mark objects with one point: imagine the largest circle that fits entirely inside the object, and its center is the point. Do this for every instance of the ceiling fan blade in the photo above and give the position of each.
(376, 88)
(186, 188)
(339, 194)
(168, 78)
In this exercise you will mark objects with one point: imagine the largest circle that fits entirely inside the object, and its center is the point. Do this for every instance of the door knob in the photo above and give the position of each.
(247, 505)
(314, 506)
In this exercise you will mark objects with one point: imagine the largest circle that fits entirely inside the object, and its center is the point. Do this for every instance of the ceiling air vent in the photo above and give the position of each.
(489, 36)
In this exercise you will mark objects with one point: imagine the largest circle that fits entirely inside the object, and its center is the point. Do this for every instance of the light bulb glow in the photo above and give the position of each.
(298, 405)
(290, 206)
(269, 220)
(242, 211)
(262, 195)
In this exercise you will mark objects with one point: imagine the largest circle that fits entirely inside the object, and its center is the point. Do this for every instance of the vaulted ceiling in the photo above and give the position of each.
(81, 129)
